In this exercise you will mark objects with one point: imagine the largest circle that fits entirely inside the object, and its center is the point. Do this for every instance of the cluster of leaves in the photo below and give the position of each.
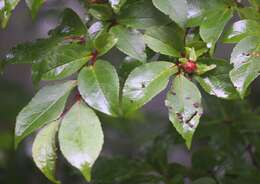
(162, 39)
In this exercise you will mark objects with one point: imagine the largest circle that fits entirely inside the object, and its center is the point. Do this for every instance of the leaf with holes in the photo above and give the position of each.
(44, 150)
(81, 138)
(246, 60)
(46, 106)
(240, 30)
(184, 104)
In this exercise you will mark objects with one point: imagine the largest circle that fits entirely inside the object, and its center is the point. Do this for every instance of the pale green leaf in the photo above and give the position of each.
(184, 104)
(81, 138)
(246, 60)
(44, 150)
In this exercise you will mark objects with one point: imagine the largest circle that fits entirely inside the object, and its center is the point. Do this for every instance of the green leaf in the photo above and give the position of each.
(44, 150)
(184, 104)
(46, 106)
(101, 11)
(166, 40)
(130, 42)
(117, 4)
(145, 82)
(81, 138)
(65, 70)
(104, 41)
(197, 9)
(217, 82)
(34, 6)
(240, 30)
(71, 24)
(246, 60)
(176, 9)
(99, 87)
(204, 180)
(141, 14)
(6, 11)
(213, 25)
(54, 56)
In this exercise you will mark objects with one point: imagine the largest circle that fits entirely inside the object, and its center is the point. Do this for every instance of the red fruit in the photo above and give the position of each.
(189, 67)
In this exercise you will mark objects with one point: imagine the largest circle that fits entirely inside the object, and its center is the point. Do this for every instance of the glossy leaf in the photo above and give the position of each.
(166, 40)
(246, 59)
(99, 87)
(213, 25)
(46, 106)
(141, 14)
(65, 70)
(34, 6)
(71, 24)
(176, 9)
(131, 42)
(198, 9)
(81, 138)
(44, 150)
(240, 30)
(127, 66)
(217, 82)
(145, 82)
(54, 56)
(6, 9)
(184, 104)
